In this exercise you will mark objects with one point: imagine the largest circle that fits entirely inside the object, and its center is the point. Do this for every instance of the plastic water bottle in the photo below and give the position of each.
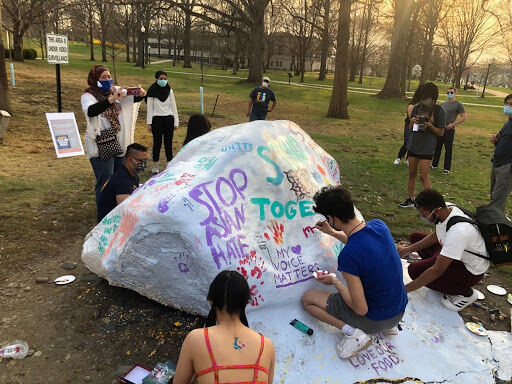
(15, 350)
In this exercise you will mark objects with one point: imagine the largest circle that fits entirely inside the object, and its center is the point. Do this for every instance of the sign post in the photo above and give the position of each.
(57, 52)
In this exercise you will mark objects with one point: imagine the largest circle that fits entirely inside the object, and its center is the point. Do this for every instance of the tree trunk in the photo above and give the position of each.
(392, 86)
(103, 48)
(339, 100)
(134, 44)
(127, 29)
(17, 41)
(256, 49)
(427, 54)
(365, 44)
(186, 41)
(236, 54)
(91, 35)
(4, 85)
(325, 41)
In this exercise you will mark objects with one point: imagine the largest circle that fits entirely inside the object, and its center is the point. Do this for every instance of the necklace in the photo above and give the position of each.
(352, 230)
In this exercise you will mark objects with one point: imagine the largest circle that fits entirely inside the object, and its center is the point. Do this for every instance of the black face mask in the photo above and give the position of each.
(141, 166)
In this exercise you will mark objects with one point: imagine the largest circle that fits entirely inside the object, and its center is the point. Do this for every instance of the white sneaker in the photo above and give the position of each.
(154, 169)
(457, 303)
(397, 161)
(348, 346)
(406, 162)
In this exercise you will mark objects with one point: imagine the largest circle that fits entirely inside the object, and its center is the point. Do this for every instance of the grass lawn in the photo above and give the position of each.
(48, 202)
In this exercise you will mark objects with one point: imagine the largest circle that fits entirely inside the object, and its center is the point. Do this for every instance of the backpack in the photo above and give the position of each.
(495, 229)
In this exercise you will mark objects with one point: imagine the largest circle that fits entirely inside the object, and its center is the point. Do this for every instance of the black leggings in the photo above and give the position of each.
(162, 126)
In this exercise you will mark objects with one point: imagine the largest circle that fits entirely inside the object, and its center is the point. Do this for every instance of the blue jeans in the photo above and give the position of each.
(257, 116)
(103, 169)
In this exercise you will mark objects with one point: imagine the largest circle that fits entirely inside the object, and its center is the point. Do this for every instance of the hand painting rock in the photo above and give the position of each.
(237, 198)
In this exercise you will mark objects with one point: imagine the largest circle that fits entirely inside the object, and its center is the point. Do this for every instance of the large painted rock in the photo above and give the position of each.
(240, 198)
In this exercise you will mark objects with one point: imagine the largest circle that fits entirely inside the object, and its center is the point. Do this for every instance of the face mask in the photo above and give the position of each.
(162, 83)
(427, 102)
(264, 84)
(105, 85)
(450, 96)
(426, 219)
(507, 109)
(140, 166)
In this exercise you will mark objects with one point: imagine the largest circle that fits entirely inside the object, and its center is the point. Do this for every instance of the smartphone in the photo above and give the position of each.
(133, 91)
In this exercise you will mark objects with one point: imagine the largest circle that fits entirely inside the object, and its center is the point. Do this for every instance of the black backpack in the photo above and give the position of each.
(496, 230)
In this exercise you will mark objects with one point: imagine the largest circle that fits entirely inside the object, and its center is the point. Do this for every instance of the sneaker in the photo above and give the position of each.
(432, 167)
(390, 332)
(154, 169)
(446, 171)
(348, 346)
(406, 162)
(409, 203)
(458, 302)
(397, 161)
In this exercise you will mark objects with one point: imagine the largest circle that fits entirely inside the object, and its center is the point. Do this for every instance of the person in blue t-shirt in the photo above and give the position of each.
(374, 298)
(124, 181)
(259, 99)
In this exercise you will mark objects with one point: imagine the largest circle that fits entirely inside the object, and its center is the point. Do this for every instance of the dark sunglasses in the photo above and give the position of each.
(266, 81)
(450, 93)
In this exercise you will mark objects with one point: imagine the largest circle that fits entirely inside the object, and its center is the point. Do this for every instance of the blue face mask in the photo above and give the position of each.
(162, 82)
(450, 96)
(507, 110)
(105, 85)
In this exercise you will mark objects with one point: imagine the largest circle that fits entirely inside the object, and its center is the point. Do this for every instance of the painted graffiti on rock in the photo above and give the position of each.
(237, 147)
(187, 203)
(290, 267)
(185, 179)
(182, 262)
(110, 227)
(252, 267)
(224, 200)
(163, 204)
(301, 182)
(205, 163)
(279, 210)
(306, 231)
(381, 359)
(276, 230)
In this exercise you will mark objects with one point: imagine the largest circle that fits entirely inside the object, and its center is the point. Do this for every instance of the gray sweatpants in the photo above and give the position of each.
(501, 185)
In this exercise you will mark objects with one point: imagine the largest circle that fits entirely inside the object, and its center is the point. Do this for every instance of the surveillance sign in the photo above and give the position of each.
(57, 51)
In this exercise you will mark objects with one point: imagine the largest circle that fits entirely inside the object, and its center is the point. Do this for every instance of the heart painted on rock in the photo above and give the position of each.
(296, 249)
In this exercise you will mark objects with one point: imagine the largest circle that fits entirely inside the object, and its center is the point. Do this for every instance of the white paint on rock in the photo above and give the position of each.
(240, 198)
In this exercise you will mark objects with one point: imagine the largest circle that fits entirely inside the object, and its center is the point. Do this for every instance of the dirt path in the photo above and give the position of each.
(87, 331)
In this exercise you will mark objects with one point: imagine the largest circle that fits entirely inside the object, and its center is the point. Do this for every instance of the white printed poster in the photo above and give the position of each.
(65, 135)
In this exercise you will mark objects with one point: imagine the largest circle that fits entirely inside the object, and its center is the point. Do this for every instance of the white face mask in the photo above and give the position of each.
(264, 84)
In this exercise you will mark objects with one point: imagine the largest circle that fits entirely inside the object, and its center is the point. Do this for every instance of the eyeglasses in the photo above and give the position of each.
(450, 93)
(266, 81)
(141, 161)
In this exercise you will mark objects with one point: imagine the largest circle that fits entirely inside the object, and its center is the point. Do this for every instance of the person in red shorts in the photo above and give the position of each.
(449, 263)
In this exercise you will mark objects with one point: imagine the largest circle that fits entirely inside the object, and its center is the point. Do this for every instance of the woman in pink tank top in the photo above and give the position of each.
(226, 351)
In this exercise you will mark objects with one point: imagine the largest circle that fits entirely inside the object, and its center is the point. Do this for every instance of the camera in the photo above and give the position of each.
(421, 123)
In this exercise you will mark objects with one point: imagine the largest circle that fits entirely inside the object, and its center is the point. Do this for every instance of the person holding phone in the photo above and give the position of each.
(107, 107)
(427, 123)
(162, 117)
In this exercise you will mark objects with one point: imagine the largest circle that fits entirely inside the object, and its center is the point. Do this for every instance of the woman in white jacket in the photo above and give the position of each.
(162, 117)
(106, 106)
